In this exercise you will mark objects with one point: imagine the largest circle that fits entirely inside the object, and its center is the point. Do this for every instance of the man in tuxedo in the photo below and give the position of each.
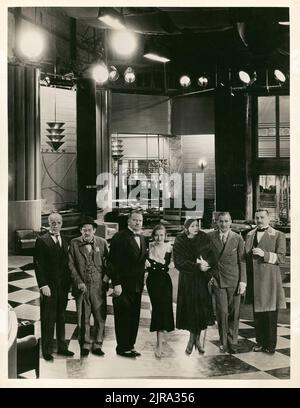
(87, 263)
(127, 257)
(265, 251)
(53, 278)
(229, 280)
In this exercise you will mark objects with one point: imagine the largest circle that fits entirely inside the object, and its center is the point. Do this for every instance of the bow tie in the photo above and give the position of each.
(262, 229)
(136, 235)
(54, 235)
(88, 243)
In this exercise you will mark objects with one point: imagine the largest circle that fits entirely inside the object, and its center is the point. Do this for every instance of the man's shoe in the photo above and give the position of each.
(66, 353)
(98, 352)
(233, 349)
(258, 348)
(223, 349)
(48, 357)
(137, 354)
(269, 351)
(128, 354)
(84, 352)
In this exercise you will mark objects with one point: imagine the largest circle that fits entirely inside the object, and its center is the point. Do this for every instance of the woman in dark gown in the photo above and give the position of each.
(193, 258)
(159, 286)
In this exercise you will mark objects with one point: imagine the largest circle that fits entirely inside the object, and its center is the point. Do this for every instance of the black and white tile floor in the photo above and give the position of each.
(23, 296)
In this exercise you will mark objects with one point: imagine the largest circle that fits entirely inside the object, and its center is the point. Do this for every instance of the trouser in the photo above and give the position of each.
(266, 329)
(53, 312)
(127, 309)
(92, 302)
(228, 313)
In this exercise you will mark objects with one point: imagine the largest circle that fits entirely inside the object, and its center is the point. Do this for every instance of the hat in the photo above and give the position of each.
(87, 220)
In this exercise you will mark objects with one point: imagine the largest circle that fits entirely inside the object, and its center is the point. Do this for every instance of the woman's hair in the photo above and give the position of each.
(158, 228)
(188, 223)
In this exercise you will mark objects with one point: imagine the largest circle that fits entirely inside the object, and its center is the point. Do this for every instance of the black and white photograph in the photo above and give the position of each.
(149, 190)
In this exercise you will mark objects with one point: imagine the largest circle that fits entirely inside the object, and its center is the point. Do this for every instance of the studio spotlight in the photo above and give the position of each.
(246, 78)
(185, 81)
(31, 43)
(279, 76)
(124, 42)
(100, 73)
(129, 75)
(156, 57)
(113, 73)
(202, 81)
(112, 22)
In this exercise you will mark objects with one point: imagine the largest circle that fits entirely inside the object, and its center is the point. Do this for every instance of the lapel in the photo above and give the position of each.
(217, 242)
(50, 241)
(82, 249)
(230, 237)
(138, 251)
(249, 240)
(263, 243)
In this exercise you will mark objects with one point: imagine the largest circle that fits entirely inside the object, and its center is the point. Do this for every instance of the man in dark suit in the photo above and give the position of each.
(127, 259)
(229, 280)
(265, 251)
(53, 278)
(87, 263)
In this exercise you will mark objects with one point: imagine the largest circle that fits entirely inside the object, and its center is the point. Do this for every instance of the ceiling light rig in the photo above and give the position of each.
(202, 81)
(185, 81)
(129, 75)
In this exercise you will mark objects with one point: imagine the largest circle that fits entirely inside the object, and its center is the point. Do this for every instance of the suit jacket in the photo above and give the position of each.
(78, 259)
(127, 261)
(51, 262)
(265, 272)
(230, 268)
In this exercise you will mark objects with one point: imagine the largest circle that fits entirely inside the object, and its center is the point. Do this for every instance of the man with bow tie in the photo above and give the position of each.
(127, 258)
(265, 251)
(87, 263)
(53, 278)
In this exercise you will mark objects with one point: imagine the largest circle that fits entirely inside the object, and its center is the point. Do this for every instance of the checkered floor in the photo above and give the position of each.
(23, 296)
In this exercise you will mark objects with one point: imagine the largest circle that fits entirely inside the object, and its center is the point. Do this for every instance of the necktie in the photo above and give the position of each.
(224, 240)
(56, 239)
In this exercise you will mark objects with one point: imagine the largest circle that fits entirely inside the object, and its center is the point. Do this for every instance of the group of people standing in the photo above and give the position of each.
(218, 265)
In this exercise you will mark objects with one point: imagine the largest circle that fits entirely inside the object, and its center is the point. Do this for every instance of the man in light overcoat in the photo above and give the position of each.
(265, 251)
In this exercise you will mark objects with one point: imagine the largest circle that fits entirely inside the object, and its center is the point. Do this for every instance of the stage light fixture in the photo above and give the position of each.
(185, 81)
(156, 57)
(129, 75)
(111, 21)
(113, 73)
(246, 78)
(279, 76)
(100, 73)
(31, 43)
(202, 81)
(124, 42)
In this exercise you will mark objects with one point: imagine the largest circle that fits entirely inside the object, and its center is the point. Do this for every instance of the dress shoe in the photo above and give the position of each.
(233, 349)
(137, 354)
(98, 352)
(189, 348)
(48, 357)
(223, 349)
(128, 354)
(84, 352)
(199, 348)
(258, 348)
(66, 353)
(269, 351)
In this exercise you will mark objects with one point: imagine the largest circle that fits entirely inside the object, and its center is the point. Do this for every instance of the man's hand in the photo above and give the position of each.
(117, 290)
(258, 252)
(82, 287)
(46, 291)
(242, 288)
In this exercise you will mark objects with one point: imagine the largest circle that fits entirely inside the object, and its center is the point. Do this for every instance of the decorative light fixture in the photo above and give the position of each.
(202, 81)
(111, 21)
(156, 57)
(246, 78)
(113, 73)
(31, 42)
(279, 76)
(202, 164)
(124, 42)
(185, 81)
(129, 75)
(100, 73)
(116, 148)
